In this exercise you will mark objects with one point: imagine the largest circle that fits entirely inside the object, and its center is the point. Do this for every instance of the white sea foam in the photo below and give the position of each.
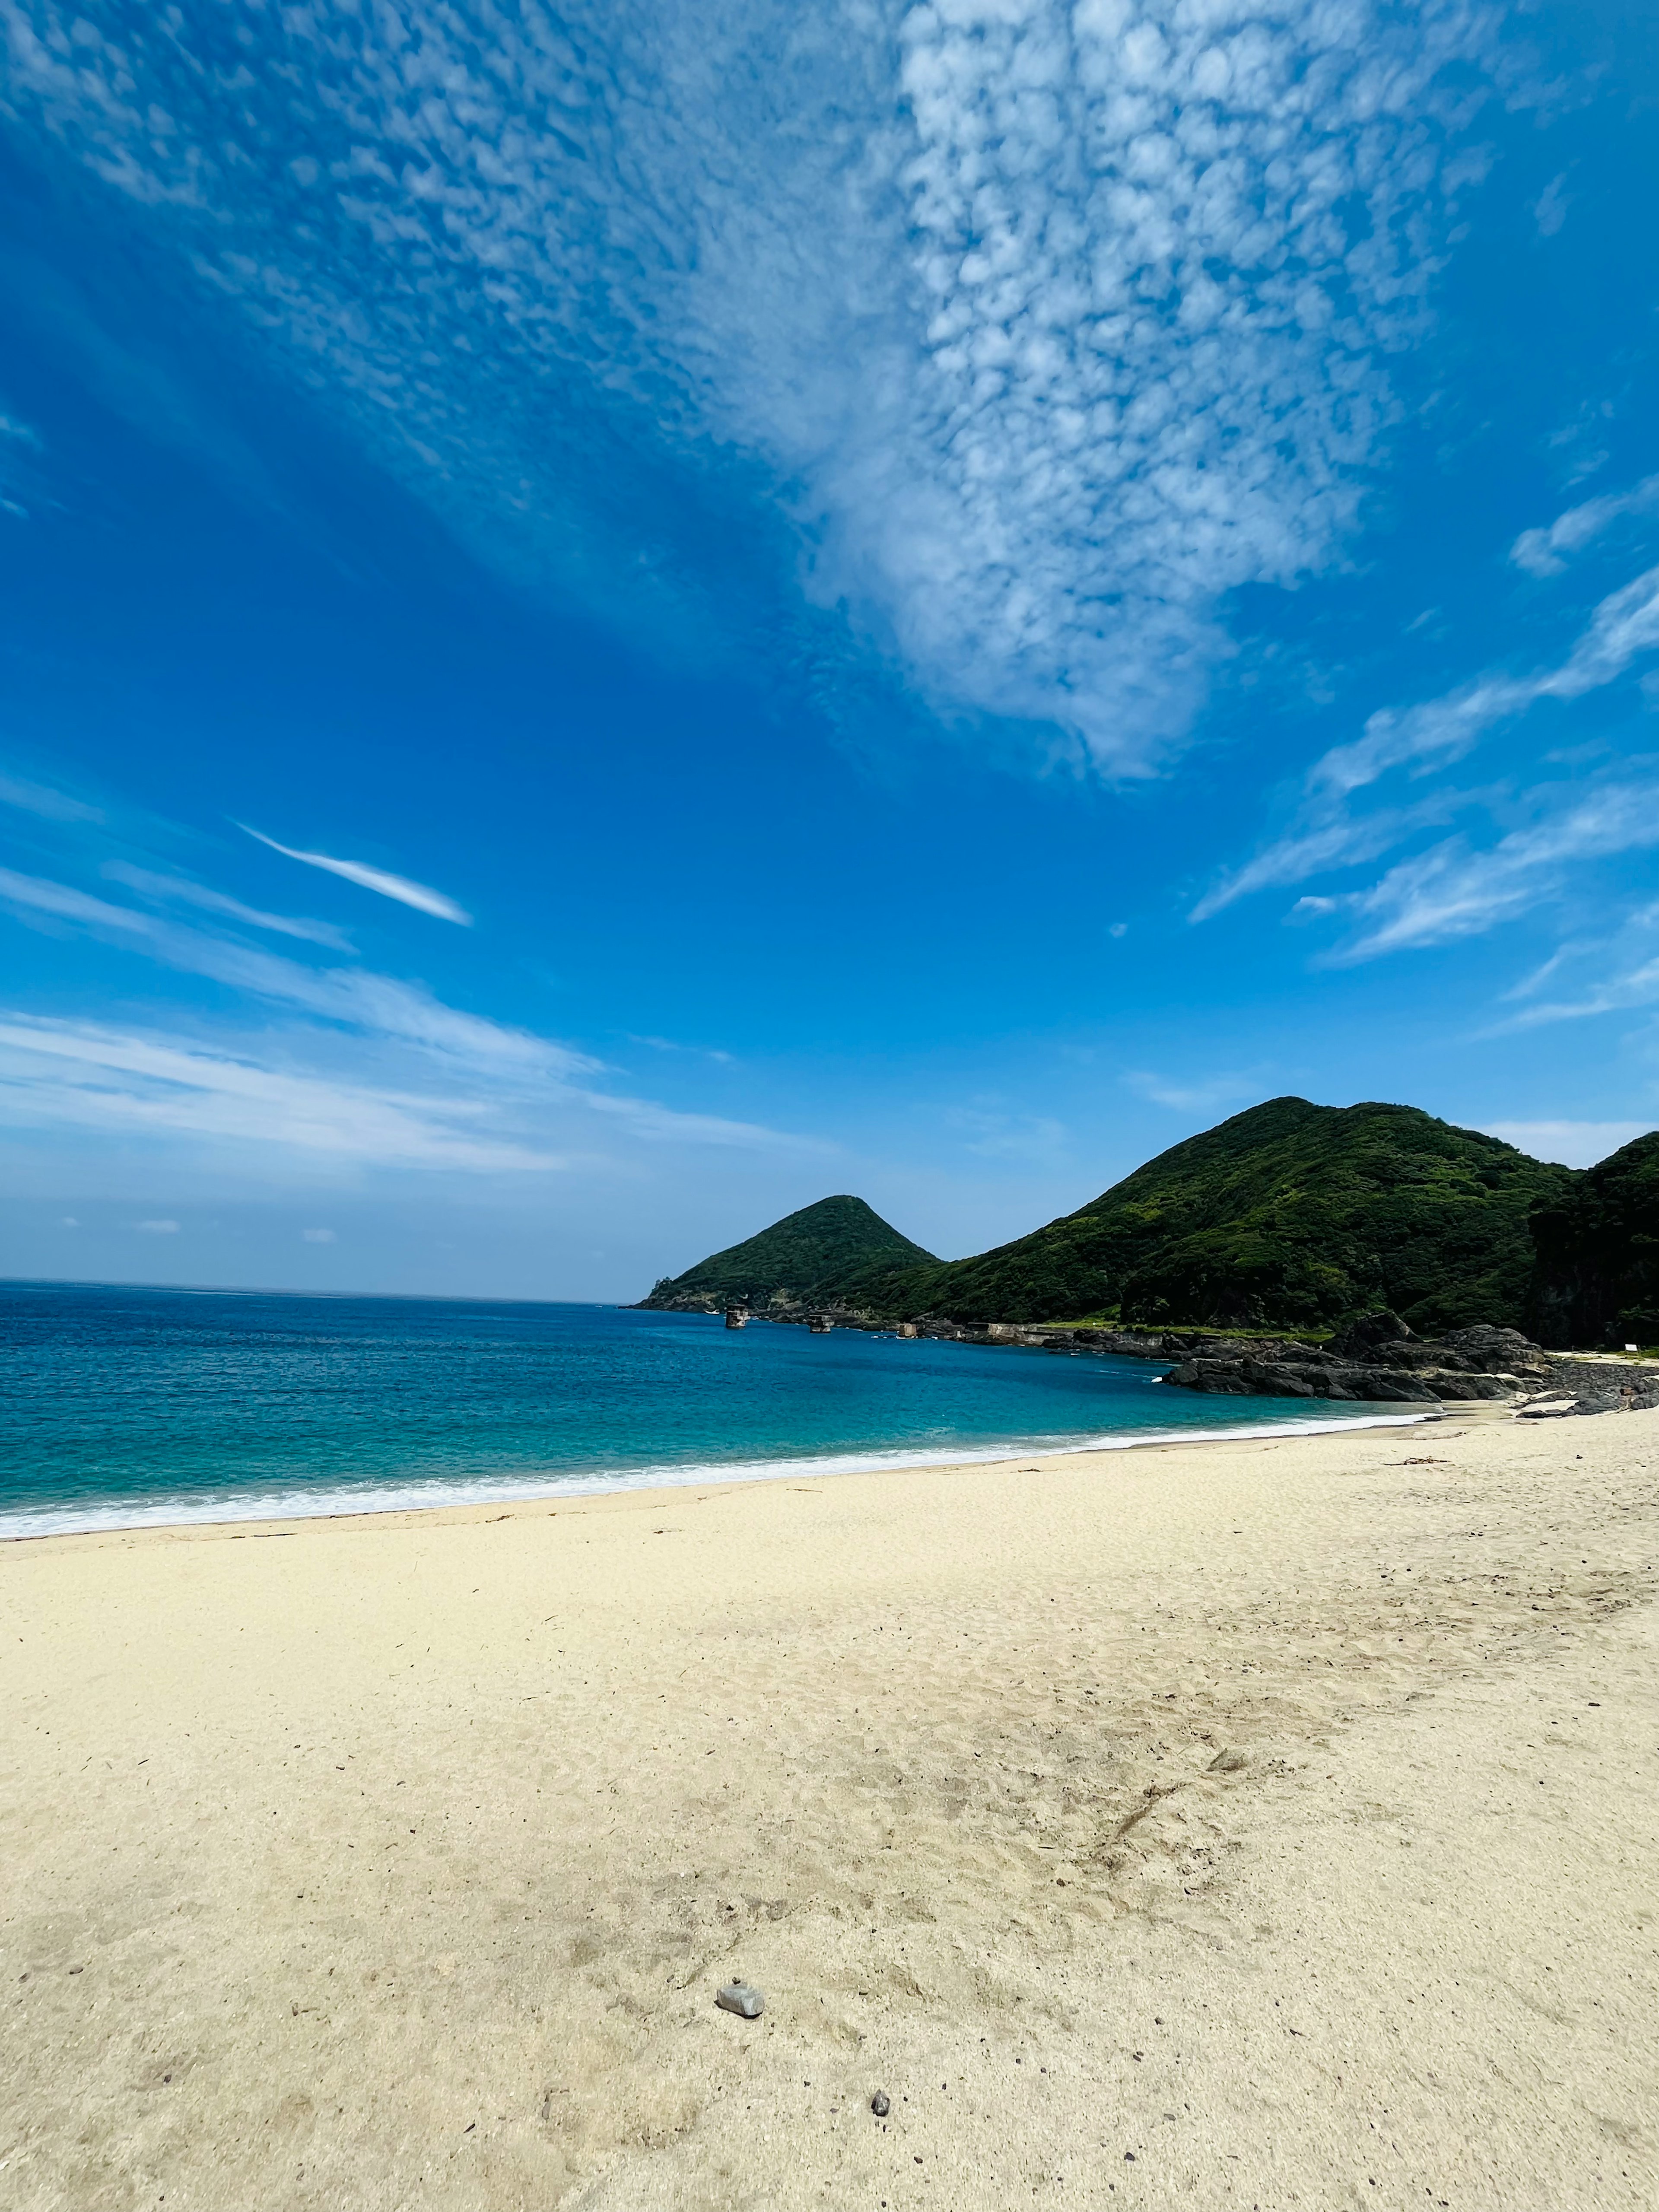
(332, 1501)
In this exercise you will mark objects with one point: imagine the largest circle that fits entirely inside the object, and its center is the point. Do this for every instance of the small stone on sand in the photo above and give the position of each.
(881, 2104)
(1226, 1762)
(739, 1997)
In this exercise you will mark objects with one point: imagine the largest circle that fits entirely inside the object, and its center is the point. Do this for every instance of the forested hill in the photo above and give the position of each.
(1598, 1253)
(817, 1255)
(1291, 1215)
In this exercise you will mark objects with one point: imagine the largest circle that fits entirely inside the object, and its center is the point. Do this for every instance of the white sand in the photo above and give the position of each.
(395, 1862)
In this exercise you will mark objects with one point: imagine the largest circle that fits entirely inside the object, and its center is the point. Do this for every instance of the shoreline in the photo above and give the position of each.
(410, 1499)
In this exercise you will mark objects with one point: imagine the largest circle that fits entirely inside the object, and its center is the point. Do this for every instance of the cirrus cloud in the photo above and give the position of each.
(1454, 888)
(422, 897)
(90, 1075)
(509, 1077)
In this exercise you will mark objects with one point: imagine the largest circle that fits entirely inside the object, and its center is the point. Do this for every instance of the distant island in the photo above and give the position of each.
(1290, 1216)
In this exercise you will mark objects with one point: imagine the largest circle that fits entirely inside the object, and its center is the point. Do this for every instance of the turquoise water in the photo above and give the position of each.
(120, 1407)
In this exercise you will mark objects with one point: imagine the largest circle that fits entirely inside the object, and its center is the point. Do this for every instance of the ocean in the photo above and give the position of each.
(121, 1407)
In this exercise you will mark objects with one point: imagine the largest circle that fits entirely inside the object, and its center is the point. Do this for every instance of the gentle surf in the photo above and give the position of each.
(125, 1407)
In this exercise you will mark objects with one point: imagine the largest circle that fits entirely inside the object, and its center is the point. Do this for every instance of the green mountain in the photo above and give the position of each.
(813, 1257)
(1597, 1277)
(1290, 1216)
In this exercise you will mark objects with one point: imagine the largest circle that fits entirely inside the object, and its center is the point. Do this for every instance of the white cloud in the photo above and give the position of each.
(58, 1074)
(41, 895)
(359, 997)
(318, 1237)
(1574, 1144)
(1450, 891)
(1327, 832)
(1327, 836)
(1606, 994)
(668, 1044)
(16, 439)
(39, 799)
(1549, 210)
(1546, 552)
(89, 1076)
(420, 896)
(991, 1134)
(497, 1073)
(1614, 973)
(1207, 1095)
(1048, 324)
(645, 1118)
(158, 1228)
(180, 890)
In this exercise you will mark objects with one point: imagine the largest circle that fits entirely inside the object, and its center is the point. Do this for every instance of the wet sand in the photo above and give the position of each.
(1259, 1823)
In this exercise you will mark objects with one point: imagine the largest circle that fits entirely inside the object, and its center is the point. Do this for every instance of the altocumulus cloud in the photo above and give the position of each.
(1026, 331)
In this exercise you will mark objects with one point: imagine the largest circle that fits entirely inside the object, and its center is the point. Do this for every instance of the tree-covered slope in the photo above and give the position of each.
(815, 1256)
(1290, 1216)
(1597, 1277)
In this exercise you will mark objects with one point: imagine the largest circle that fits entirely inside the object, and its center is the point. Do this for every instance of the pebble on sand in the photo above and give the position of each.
(881, 2103)
(1227, 1762)
(737, 1996)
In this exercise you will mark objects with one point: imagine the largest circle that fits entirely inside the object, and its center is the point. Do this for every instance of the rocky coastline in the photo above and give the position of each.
(1376, 1360)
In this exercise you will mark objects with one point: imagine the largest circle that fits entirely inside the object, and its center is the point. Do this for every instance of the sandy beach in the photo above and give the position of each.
(1257, 1824)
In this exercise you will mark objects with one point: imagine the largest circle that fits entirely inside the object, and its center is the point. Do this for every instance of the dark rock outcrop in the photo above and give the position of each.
(1632, 1390)
(1376, 1360)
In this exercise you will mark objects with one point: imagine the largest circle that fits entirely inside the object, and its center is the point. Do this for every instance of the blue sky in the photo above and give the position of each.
(617, 618)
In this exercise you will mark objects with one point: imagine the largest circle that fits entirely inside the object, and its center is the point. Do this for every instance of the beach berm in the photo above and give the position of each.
(1260, 1822)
